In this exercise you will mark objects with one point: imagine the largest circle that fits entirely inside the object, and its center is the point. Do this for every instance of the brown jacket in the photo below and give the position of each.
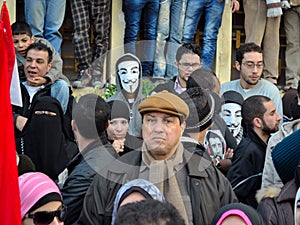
(277, 208)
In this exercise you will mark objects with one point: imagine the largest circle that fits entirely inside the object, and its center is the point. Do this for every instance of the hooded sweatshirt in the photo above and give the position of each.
(135, 120)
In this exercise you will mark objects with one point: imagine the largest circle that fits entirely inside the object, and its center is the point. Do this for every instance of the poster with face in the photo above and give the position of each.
(129, 72)
(215, 144)
(232, 115)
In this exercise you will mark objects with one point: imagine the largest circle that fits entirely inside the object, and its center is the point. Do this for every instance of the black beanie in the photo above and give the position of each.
(119, 109)
(286, 156)
(233, 97)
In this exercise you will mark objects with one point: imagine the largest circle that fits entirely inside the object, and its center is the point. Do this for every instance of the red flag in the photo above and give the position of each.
(10, 212)
(8, 39)
(13, 74)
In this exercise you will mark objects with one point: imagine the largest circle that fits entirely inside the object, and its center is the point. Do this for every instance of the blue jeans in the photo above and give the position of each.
(169, 27)
(213, 19)
(133, 11)
(60, 91)
(45, 18)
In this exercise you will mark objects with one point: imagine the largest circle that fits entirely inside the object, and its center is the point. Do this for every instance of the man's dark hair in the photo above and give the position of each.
(21, 27)
(253, 107)
(91, 115)
(248, 47)
(203, 78)
(148, 212)
(39, 46)
(188, 48)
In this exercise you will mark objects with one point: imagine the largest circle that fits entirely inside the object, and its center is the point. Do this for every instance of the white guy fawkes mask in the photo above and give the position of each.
(129, 72)
(232, 115)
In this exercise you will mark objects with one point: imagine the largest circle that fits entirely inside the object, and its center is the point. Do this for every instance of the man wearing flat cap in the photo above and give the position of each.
(187, 180)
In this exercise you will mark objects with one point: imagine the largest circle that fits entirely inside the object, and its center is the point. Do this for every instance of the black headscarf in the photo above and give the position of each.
(45, 138)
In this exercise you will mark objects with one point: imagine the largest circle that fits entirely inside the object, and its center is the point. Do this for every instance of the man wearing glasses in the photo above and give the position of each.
(249, 62)
(188, 59)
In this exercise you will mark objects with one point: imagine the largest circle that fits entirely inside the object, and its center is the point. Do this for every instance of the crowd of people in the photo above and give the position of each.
(194, 151)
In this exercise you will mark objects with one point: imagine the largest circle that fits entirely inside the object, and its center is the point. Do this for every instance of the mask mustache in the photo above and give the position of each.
(233, 126)
(130, 81)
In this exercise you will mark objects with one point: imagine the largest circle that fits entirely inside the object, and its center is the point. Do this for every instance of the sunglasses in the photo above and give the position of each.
(46, 217)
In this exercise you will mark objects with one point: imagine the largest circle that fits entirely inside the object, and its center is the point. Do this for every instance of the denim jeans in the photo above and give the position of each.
(213, 19)
(169, 28)
(60, 91)
(45, 18)
(133, 11)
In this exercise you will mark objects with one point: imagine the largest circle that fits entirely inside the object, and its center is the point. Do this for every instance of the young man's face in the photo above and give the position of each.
(186, 65)
(232, 115)
(161, 133)
(271, 119)
(129, 73)
(251, 69)
(36, 64)
(22, 42)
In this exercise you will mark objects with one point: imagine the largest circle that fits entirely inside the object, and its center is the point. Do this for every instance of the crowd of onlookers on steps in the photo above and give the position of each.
(192, 152)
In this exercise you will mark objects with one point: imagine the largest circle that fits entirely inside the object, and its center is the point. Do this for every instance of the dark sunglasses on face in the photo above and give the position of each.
(46, 217)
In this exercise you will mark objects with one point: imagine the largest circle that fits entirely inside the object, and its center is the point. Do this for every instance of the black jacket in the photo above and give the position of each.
(82, 169)
(209, 189)
(246, 169)
(169, 86)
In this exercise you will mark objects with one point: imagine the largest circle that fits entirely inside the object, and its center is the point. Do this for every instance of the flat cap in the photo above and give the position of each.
(165, 102)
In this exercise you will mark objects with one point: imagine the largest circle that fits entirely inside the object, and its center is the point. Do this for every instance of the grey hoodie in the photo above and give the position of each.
(135, 122)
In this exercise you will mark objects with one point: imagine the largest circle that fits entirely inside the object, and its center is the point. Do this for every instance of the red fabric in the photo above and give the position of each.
(10, 212)
(8, 39)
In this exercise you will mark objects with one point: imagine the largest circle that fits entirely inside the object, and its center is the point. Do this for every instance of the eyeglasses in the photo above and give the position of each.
(187, 65)
(251, 65)
(46, 217)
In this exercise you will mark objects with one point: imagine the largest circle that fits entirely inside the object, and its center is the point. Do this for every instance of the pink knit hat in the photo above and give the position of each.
(34, 186)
